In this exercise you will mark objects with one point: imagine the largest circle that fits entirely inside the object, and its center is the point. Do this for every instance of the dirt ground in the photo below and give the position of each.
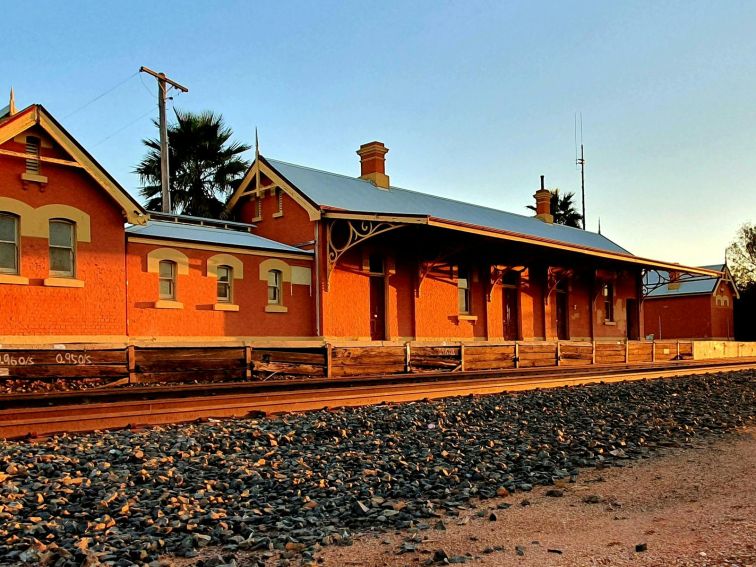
(693, 506)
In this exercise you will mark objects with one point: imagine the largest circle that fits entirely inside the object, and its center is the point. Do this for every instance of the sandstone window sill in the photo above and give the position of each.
(168, 304)
(225, 307)
(610, 323)
(34, 177)
(13, 279)
(467, 318)
(276, 309)
(63, 282)
(277, 215)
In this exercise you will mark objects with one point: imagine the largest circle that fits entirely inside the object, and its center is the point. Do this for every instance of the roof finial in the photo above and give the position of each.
(599, 230)
(257, 146)
(12, 103)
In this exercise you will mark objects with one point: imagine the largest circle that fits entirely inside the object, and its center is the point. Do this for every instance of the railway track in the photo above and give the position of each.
(23, 415)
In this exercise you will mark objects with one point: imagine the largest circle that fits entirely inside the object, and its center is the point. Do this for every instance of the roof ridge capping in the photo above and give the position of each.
(370, 185)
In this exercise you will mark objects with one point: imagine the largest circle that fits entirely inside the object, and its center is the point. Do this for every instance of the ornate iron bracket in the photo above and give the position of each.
(665, 278)
(554, 277)
(496, 277)
(425, 268)
(355, 232)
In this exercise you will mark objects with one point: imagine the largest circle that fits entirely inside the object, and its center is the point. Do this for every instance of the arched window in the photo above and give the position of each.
(167, 279)
(275, 283)
(8, 243)
(62, 248)
(225, 284)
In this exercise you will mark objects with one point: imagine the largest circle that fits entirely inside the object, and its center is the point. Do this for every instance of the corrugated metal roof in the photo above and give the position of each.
(209, 235)
(700, 285)
(353, 194)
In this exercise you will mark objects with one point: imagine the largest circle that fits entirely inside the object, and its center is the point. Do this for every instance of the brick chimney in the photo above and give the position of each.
(373, 164)
(674, 280)
(543, 204)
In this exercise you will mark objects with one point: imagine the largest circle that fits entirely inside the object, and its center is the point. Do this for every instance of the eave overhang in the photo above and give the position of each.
(518, 237)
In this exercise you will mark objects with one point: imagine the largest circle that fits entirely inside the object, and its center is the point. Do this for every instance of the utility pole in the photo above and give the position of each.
(163, 83)
(581, 162)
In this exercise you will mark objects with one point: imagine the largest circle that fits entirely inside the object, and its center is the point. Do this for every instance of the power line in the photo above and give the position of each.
(99, 96)
(122, 128)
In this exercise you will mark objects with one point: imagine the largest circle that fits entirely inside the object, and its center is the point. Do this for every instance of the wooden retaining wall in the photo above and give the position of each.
(153, 364)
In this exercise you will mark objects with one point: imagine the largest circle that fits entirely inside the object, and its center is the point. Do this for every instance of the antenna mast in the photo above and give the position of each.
(581, 162)
(163, 86)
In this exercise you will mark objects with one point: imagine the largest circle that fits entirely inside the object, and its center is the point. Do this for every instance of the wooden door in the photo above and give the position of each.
(377, 308)
(633, 330)
(511, 314)
(562, 311)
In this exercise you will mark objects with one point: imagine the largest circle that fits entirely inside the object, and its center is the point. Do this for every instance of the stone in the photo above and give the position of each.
(592, 499)
(641, 547)
(520, 550)
(440, 556)
(555, 492)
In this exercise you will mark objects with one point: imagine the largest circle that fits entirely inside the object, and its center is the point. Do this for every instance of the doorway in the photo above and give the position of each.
(377, 298)
(633, 329)
(511, 306)
(562, 310)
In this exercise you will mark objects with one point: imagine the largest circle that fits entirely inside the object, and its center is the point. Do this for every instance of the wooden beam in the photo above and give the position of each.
(46, 159)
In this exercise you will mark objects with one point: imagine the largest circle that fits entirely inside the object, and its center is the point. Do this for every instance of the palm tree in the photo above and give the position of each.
(563, 209)
(204, 166)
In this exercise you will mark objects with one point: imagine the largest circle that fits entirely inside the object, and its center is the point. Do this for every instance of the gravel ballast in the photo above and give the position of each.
(285, 486)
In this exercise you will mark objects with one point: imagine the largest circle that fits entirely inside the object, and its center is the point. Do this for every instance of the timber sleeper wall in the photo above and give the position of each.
(146, 365)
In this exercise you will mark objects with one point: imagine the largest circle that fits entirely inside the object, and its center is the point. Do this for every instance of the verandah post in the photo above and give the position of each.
(131, 363)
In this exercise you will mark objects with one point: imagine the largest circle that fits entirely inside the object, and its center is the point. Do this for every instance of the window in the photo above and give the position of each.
(167, 279)
(279, 201)
(608, 293)
(463, 290)
(8, 244)
(62, 249)
(225, 279)
(32, 147)
(274, 287)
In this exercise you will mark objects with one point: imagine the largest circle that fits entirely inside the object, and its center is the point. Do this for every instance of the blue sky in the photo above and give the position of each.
(474, 99)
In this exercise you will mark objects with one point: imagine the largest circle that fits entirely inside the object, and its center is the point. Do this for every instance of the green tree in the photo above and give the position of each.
(205, 166)
(563, 209)
(741, 256)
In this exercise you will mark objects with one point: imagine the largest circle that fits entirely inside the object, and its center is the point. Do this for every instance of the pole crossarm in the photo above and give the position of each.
(354, 233)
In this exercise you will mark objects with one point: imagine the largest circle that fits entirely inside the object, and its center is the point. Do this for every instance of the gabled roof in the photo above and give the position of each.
(342, 193)
(699, 285)
(331, 195)
(37, 115)
(202, 234)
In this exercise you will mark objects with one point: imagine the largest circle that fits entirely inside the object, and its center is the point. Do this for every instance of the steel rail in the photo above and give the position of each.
(93, 395)
(42, 421)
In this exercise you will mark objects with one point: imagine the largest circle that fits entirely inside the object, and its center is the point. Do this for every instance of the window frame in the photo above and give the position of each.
(607, 292)
(72, 248)
(228, 283)
(464, 295)
(171, 279)
(277, 286)
(16, 243)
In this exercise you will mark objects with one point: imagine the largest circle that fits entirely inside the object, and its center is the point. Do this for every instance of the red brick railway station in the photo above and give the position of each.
(310, 259)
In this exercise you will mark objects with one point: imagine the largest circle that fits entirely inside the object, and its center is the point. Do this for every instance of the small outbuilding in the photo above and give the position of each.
(689, 307)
